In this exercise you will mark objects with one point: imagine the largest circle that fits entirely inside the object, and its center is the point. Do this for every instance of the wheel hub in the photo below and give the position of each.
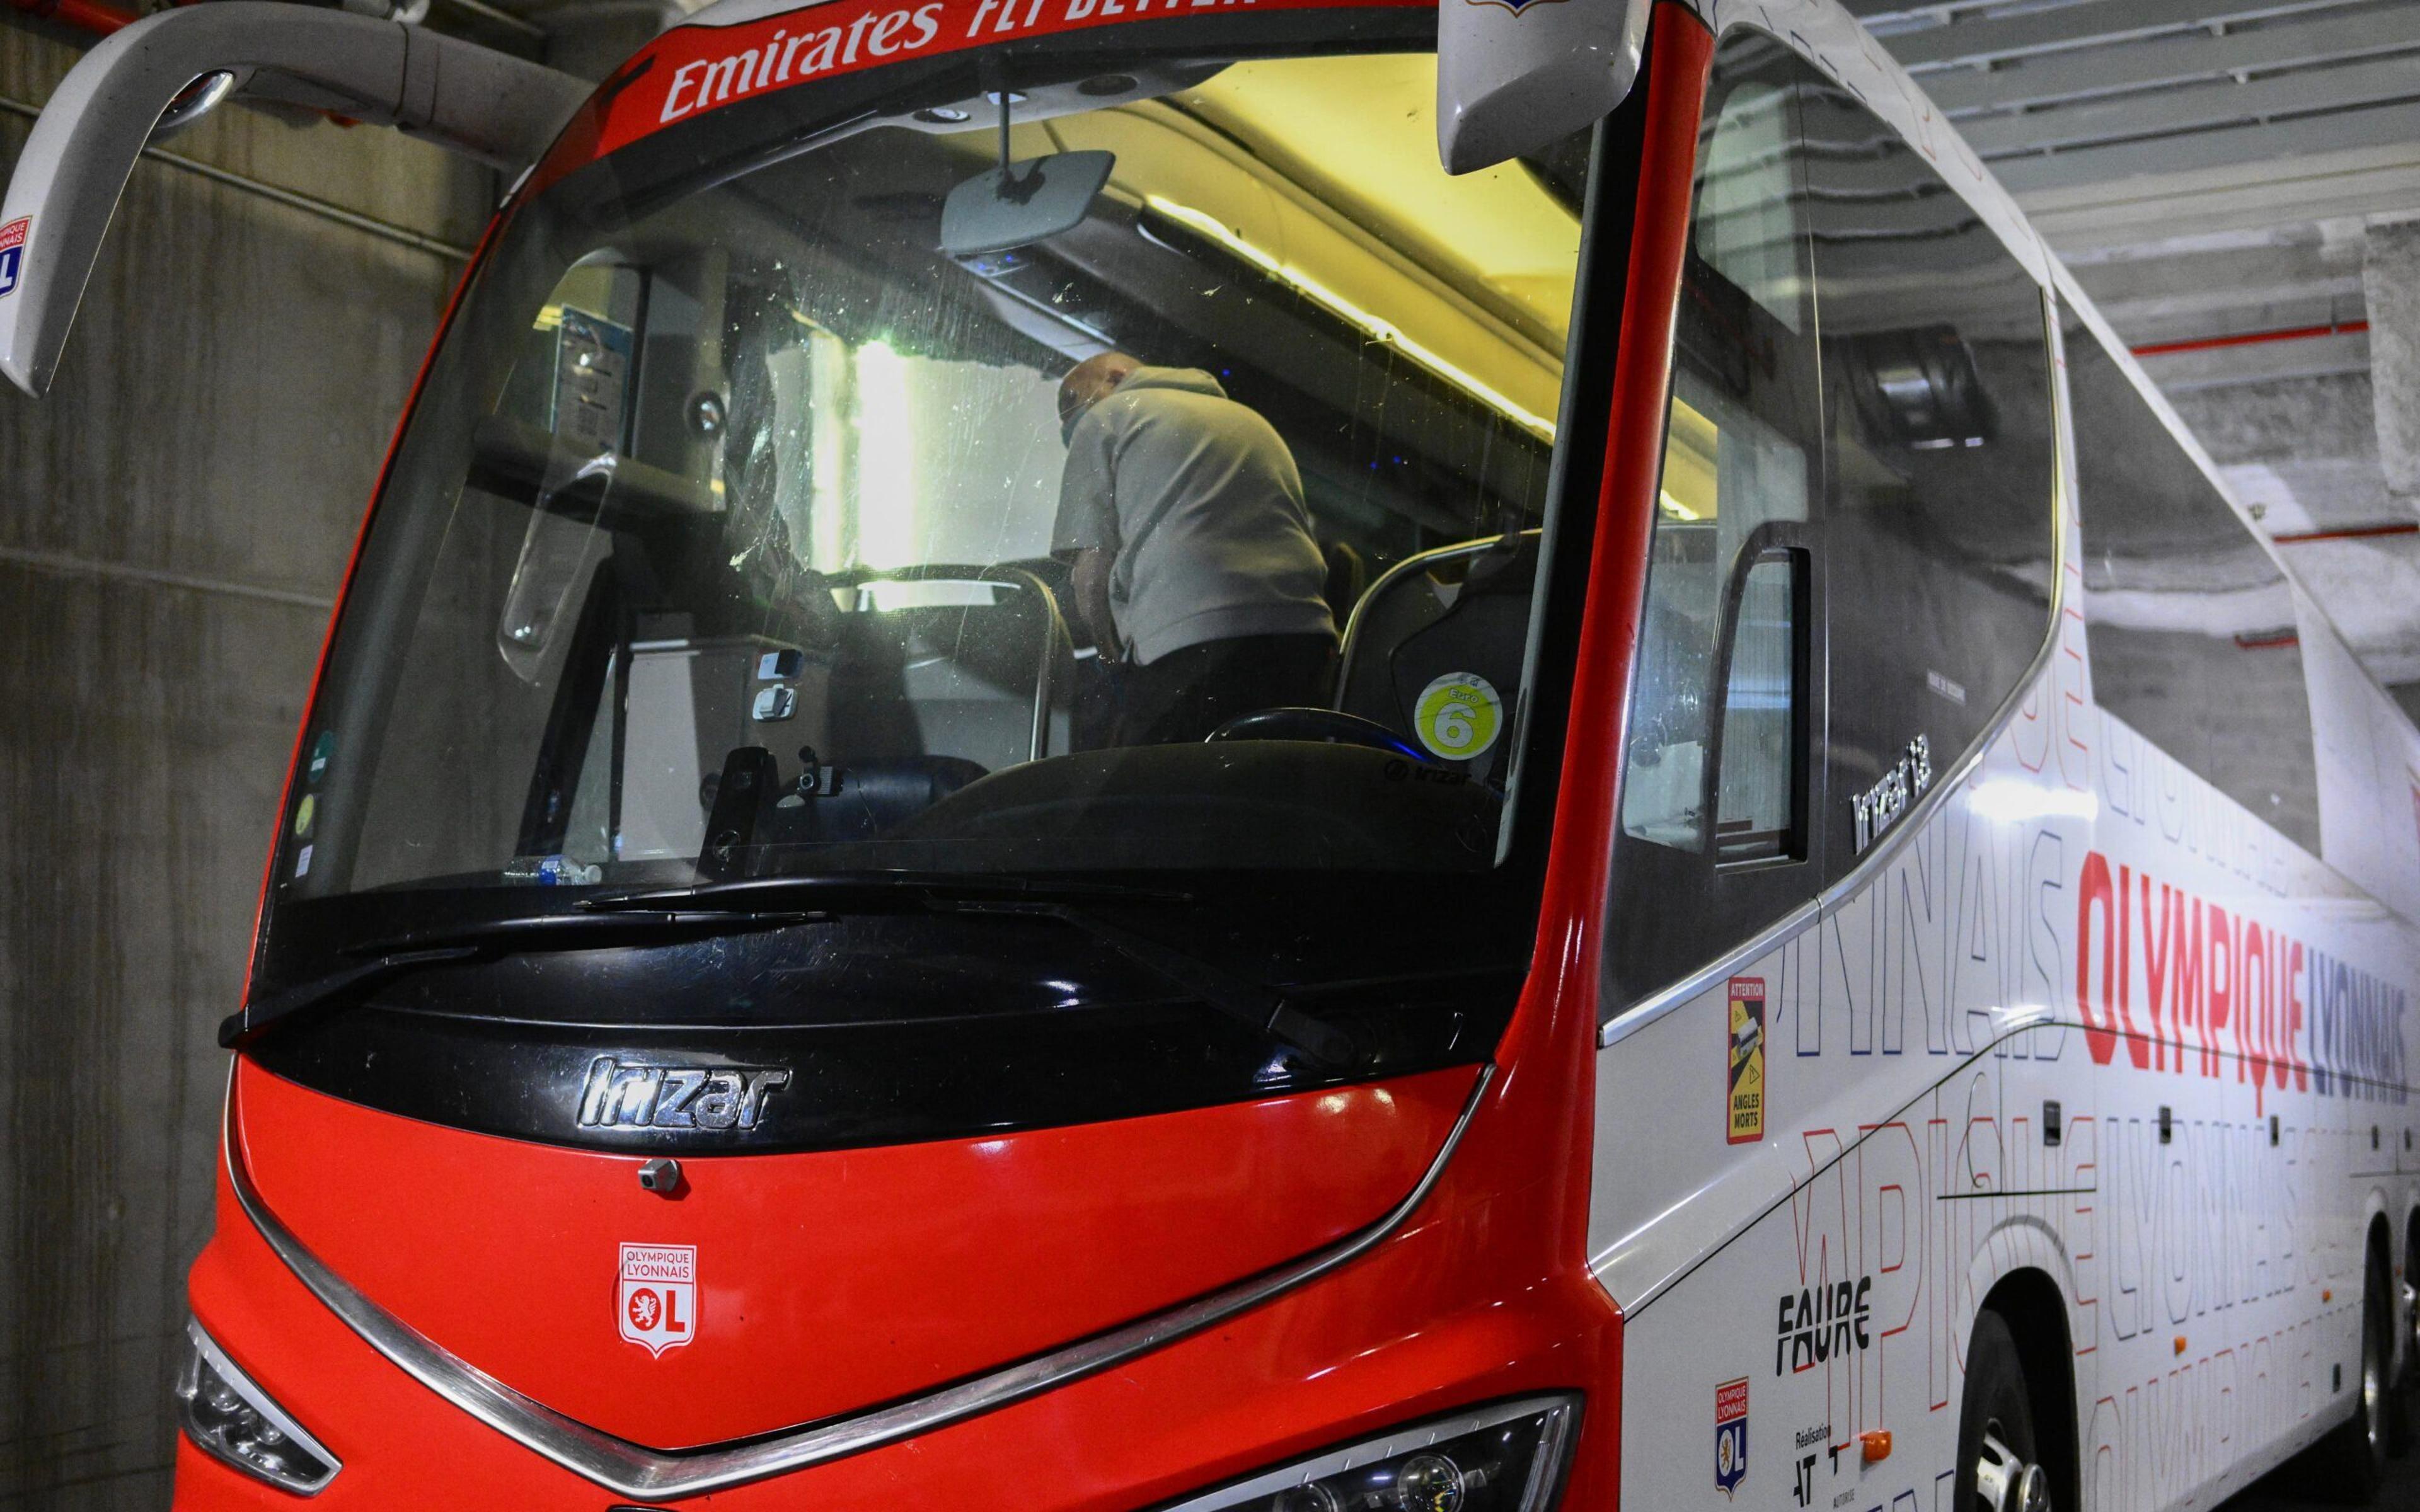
(2007, 1482)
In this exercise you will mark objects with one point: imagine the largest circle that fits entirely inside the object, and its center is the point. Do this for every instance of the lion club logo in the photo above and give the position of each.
(1730, 1435)
(657, 1303)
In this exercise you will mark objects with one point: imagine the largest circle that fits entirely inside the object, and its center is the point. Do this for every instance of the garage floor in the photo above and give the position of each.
(2402, 1494)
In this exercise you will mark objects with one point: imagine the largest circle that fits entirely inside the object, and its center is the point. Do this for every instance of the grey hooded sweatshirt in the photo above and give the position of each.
(1200, 500)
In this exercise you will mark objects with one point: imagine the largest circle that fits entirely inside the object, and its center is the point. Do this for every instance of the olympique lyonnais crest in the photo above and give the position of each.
(656, 1305)
(1730, 1435)
(13, 253)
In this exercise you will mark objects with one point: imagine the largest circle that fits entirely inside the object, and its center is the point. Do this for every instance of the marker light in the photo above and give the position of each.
(1508, 1457)
(230, 1419)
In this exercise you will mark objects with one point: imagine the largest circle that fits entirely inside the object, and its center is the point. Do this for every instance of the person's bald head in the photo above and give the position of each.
(1090, 381)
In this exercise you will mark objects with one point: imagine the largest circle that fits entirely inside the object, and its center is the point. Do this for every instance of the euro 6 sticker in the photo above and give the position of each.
(1458, 716)
(12, 254)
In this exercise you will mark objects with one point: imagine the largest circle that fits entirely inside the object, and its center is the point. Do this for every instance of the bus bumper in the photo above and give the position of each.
(1441, 1315)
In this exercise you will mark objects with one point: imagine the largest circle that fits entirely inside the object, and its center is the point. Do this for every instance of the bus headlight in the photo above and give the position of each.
(229, 1418)
(1506, 1457)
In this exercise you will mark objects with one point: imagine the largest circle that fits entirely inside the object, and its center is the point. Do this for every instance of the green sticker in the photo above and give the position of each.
(321, 749)
(302, 815)
(1459, 716)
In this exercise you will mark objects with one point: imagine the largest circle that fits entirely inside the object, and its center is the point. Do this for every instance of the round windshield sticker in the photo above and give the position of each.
(1459, 716)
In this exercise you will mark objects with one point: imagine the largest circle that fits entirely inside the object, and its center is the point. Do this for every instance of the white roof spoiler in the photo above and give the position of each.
(469, 99)
(1514, 76)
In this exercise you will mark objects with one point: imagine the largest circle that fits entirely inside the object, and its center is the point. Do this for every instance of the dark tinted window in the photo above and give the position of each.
(1939, 543)
(1851, 572)
(2190, 622)
(1716, 787)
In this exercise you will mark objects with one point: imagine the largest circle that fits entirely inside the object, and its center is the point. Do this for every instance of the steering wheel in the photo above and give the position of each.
(1331, 725)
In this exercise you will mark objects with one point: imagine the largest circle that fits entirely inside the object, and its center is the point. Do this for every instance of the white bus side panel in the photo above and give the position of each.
(2211, 1282)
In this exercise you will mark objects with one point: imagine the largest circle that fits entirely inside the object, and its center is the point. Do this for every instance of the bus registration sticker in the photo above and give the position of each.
(657, 1303)
(1730, 1435)
(12, 254)
(1747, 1125)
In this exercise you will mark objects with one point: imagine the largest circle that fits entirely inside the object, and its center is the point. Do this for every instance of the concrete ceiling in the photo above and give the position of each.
(2208, 169)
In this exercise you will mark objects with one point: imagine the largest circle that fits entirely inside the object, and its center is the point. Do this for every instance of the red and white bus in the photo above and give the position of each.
(1841, 940)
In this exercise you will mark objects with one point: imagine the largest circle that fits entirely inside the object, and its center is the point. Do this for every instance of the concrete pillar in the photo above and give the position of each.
(2390, 285)
(173, 522)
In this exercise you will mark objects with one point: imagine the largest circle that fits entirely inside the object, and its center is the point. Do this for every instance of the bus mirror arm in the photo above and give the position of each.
(1516, 75)
(468, 99)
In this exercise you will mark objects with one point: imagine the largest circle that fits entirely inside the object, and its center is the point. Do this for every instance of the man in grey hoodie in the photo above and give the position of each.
(1183, 513)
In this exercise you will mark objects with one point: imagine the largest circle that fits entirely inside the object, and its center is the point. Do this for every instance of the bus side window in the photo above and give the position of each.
(1716, 780)
(1940, 535)
(2190, 624)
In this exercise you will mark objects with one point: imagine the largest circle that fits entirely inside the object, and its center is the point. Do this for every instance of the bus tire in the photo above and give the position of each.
(2349, 1464)
(1999, 1453)
(2402, 1432)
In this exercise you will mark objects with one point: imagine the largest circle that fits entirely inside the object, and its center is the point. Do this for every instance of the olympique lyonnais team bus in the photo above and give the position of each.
(1837, 935)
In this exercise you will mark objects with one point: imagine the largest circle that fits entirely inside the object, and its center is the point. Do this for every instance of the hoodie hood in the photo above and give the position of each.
(1190, 379)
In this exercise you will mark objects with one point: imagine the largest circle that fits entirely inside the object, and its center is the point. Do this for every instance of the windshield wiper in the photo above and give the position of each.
(775, 903)
(857, 892)
(390, 958)
(1258, 1007)
(1265, 1010)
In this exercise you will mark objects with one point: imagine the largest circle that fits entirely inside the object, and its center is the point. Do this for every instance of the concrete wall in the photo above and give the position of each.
(173, 524)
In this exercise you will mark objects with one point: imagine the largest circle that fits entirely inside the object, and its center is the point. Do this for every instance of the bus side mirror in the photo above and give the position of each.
(1513, 76)
(155, 73)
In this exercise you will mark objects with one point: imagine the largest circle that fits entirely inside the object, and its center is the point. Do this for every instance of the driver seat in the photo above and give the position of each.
(1461, 609)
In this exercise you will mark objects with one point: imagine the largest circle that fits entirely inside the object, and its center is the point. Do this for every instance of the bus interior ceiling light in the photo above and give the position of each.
(163, 71)
(1370, 326)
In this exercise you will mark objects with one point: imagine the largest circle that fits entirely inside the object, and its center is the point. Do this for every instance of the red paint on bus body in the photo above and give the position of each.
(826, 1282)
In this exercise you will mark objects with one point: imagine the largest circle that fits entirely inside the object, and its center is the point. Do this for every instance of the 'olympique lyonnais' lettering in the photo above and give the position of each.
(2188, 986)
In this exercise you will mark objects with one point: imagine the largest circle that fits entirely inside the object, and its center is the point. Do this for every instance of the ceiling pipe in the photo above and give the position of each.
(2252, 338)
(84, 15)
(2351, 532)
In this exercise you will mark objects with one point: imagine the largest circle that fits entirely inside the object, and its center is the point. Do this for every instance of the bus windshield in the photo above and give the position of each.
(742, 532)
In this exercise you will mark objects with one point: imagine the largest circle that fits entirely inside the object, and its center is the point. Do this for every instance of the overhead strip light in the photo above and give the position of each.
(1370, 325)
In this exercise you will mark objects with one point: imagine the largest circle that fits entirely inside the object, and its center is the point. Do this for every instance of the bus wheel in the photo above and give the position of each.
(2350, 1462)
(1999, 1457)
